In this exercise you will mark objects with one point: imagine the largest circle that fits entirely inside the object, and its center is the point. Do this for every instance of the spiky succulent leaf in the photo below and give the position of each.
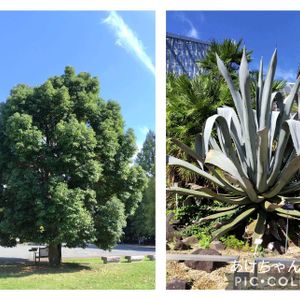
(219, 215)
(260, 225)
(228, 227)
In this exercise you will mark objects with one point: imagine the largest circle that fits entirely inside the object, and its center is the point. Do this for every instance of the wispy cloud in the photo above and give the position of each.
(288, 75)
(144, 130)
(128, 40)
(192, 31)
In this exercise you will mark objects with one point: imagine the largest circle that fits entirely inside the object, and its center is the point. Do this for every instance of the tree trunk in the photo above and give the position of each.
(54, 254)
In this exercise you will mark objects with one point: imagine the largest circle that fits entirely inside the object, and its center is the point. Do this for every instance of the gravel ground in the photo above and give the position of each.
(216, 280)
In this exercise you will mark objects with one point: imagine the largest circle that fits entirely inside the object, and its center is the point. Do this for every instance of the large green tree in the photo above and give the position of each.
(141, 226)
(66, 166)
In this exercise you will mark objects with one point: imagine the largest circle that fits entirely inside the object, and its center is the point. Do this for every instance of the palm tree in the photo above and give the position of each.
(189, 103)
(230, 51)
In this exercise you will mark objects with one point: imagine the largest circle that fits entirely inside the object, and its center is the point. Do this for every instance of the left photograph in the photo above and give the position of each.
(77, 150)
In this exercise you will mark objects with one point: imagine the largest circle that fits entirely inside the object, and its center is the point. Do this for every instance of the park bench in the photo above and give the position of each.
(110, 259)
(39, 252)
(151, 257)
(131, 258)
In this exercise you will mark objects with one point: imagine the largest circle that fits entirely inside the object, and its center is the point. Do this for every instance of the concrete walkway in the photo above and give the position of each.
(20, 253)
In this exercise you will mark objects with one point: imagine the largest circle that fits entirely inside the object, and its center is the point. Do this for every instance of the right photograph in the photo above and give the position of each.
(233, 150)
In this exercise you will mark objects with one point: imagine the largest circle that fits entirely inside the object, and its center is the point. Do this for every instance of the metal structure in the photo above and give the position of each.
(183, 54)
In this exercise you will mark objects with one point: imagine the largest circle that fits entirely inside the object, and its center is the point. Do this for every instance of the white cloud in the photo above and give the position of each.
(127, 39)
(288, 75)
(144, 130)
(192, 31)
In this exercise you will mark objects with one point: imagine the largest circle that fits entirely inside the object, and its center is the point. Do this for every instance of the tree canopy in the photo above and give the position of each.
(141, 226)
(66, 165)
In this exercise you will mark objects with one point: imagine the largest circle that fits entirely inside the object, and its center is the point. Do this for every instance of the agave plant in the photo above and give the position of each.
(251, 156)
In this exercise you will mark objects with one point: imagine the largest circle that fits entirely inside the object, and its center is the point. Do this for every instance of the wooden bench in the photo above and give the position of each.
(41, 252)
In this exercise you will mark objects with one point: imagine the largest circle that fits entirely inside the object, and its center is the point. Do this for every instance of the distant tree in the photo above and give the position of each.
(146, 157)
(66, 166)
(141, 226)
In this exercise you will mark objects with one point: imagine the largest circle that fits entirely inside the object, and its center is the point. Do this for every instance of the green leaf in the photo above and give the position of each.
(224, 229)
(266, 104)
(219, 215)
(262, 160)
(259, 89)
(292, 200)
(190, 152)
(288, 216)
(287, 173)
(207, 193)
(260, 226)
(172, 161)
(293, 213)
(223, 208)
(221, 161)
(235, 95)
(248, 122)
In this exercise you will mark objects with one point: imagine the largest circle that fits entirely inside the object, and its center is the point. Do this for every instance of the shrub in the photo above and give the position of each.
(232, 242)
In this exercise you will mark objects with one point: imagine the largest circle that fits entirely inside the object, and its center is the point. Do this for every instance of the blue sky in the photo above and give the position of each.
(118, 47)
(261, 31)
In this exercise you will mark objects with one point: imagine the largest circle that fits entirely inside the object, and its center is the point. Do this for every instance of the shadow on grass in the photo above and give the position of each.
(21, 268)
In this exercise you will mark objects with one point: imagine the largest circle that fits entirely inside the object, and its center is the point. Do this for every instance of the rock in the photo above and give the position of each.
(170, 231)
(110, 259)
(131, 258)
(191, 240)
(151, 257)
(270, 246)
(207, 266)
(179, 245)
(217, 245)
(167, 247)
(279, 248)
(177, 284)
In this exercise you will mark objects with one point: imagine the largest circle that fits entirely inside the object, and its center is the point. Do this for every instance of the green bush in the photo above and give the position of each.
(204, 239)
(232, 242)
(192, 230)
(202, 233)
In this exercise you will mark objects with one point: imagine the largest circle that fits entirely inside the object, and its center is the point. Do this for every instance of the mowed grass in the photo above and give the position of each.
(81, 274)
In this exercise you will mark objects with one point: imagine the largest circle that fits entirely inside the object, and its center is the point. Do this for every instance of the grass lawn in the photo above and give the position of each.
(79, 274)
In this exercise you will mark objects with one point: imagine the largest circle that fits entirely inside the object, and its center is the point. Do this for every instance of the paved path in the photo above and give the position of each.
(21, 253)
